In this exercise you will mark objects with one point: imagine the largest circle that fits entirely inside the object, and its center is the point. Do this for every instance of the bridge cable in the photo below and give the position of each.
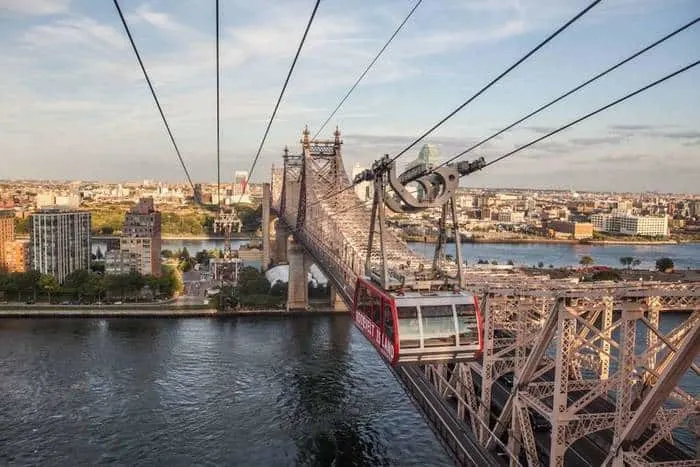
(279, 99)
(153, 92)
(570, 92)
(498, 78)
(371, 64)
(595, 112)
(218, 113)
(481, 91)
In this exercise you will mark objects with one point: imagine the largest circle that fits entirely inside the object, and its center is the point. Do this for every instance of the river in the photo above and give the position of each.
(239, 391)
(686, 255)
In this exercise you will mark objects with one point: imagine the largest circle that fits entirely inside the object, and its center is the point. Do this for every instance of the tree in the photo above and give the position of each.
(494, 262)
(606, 275)
(251, 281)
(22, 225)
(279, 289)
(184, 254)
(202, 257)
(153, 283)
(184, 265)
(664, 264)
(77, 283)
(49, 285)
(32, 280)
(511, 262)
(586, 261)
(627, 261)
(96, 286)
(636, 262)
(171, 281)
(540, 264)
(166, 254)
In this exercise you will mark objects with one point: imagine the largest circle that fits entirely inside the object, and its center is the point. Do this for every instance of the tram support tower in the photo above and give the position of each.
(391, 191)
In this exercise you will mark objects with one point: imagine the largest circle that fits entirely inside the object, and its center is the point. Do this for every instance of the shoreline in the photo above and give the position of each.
(485, 241)
(9, 312)
(546, 241)
(186, 237)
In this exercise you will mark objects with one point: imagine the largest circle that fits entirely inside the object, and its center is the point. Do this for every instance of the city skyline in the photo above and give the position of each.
(78, 107)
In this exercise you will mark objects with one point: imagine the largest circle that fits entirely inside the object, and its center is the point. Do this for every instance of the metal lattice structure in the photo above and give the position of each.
(572, 373)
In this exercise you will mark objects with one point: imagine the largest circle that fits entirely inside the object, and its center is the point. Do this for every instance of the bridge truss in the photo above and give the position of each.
(596, 364)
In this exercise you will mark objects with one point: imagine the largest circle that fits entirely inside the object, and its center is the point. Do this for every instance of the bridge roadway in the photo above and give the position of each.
(590, 450)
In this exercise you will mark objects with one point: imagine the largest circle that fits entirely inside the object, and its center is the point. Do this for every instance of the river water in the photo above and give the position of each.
(686, 255)
(239, 391)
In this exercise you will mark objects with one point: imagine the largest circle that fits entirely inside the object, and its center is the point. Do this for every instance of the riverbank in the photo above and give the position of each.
(235, 236)
(549, 241)
(563, 241)
(186, 311)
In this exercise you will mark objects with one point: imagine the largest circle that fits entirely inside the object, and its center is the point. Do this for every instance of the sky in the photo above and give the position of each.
(75, 105)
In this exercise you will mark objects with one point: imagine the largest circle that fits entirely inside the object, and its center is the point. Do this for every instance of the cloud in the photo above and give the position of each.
(75, 103)
(542, 130)
(593, 140)
(34, 7)
(692, 134)
(622, 158)
(632, 127)
(73, 31)
(160, 20)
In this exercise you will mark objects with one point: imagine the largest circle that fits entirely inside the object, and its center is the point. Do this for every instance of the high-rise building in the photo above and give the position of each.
(428, 155)
(363, 190)
(142, 235)
(121, 262)
(60, 241)
(17, 256)
(240, 182)
(7, 235)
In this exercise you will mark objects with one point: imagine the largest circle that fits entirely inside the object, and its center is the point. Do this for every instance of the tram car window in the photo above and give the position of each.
(409, 329)
(467, 323)
(438, 325)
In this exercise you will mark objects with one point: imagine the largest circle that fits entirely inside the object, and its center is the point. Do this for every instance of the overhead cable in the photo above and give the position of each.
(497, 78)
(481, 91)
(595, 112)
(279, 99)
(371, 64)
(153, 92)
(572, 91)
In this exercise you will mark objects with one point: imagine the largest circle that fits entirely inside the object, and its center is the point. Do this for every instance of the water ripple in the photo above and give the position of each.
(243, 391)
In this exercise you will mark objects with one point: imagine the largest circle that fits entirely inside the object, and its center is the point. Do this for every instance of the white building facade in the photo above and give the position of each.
(650, 226)
(60, 241)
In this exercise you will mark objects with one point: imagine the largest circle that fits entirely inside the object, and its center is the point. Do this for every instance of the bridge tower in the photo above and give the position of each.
(288, 198)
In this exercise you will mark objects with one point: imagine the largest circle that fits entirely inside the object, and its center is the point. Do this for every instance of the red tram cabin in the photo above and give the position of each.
(414, 327)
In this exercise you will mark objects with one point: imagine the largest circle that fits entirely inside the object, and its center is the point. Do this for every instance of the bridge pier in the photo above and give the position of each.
(336, 301)
(281, 239)
(266, 202)
(299, 264)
